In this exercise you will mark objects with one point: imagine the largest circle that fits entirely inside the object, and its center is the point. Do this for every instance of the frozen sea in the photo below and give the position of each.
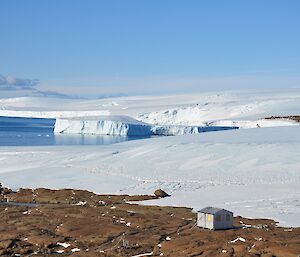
(39, 132)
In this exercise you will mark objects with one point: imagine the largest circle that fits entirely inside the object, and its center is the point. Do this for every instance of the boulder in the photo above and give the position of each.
(160, 193)
(4, 190)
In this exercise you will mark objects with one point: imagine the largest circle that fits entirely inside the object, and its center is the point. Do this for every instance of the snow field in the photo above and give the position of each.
(253, 172)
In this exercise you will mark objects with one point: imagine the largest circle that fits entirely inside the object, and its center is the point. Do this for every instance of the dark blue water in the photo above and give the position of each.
(34, 132)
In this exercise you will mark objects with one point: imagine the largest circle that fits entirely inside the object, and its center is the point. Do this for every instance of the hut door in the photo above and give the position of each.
(202, 220)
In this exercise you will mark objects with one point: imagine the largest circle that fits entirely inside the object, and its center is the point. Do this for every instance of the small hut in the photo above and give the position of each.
(215, 218)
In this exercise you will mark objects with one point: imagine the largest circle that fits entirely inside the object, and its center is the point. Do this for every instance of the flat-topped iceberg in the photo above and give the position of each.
(105, 125)
(125, 126)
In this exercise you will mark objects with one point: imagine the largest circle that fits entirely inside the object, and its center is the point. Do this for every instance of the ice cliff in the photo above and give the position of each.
(125, 126)
(184, 130)
(109, 125)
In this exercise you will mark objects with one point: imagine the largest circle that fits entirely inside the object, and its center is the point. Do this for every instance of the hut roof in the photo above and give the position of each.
(212, 210)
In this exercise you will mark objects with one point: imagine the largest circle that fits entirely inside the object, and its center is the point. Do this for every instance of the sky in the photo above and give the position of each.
(96, 47)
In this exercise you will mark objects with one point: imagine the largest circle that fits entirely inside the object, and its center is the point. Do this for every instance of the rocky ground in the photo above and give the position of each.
(290, 117)
(80, 223)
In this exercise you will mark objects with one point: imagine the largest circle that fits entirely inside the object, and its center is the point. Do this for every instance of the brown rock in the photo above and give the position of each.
(6, 190)
(160, 193)
(5, 244)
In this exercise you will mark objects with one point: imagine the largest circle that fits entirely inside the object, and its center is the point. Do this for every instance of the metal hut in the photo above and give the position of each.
(215, 218)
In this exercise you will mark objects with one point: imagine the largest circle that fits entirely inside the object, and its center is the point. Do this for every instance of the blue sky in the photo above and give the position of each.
(101, 47)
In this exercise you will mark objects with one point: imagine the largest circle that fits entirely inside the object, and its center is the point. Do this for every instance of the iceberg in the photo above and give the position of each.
(125, 126)
(185, 130)
(106, 125)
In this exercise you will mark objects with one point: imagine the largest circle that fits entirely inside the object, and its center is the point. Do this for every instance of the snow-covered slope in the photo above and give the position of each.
(243, 109)
(252, 172)
(260, 123)
(190, 112)
(242, 112)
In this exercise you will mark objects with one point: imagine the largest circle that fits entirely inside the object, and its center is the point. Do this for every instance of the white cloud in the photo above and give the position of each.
(11, 86)
(13, 83)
